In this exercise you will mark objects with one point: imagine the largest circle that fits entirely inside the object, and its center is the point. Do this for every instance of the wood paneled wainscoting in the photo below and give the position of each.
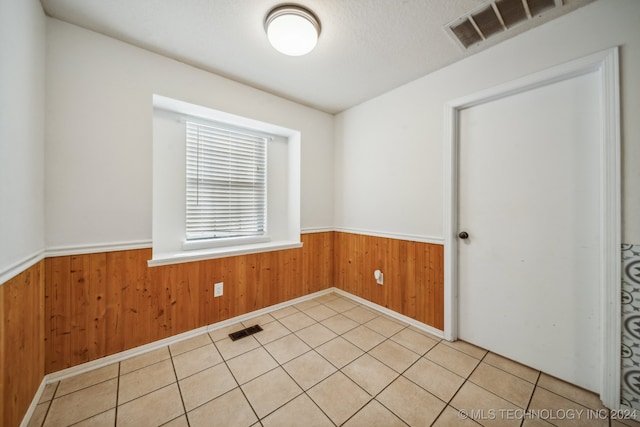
(104, 303)
(413, 274)
(68, 310)
(22, 349)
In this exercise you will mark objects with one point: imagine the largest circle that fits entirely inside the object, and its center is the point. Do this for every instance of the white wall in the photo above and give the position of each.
(22, 56)
(99, 135)
(389, 150)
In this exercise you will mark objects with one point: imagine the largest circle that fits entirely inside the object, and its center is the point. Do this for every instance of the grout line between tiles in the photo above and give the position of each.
(564, 396)
(511, 373)
(401, 374)
(173, 419)
(94, 415)
(318, 406)
(143, 367)
(444, 367)
(421, 354)
(151, 391)
(572, 401)
(444, 408)
(49, 404)
(225, 361)
(284, 404)
(185, 352)
(175, 373)
(489, 391)
(115, 418)
(535, 386)
(502, 397)
(82, 388)
(305, 391)
(448, 403)
(357, 385)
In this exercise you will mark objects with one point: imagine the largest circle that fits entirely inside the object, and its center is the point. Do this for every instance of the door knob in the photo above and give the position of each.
(463, 235)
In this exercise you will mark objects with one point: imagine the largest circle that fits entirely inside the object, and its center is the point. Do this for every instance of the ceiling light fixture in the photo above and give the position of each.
(292, 30)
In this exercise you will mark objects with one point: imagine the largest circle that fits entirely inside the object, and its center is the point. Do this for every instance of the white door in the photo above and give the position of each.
(528, 188)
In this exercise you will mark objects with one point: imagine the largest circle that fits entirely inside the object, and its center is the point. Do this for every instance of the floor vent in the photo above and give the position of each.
(495, 17)
(245, 332)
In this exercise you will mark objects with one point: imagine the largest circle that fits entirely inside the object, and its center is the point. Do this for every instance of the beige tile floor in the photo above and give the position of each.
(325, 362)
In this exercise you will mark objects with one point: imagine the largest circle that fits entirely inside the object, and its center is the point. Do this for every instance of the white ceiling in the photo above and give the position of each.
(366, 47)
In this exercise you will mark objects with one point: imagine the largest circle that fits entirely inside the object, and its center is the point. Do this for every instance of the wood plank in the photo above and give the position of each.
(97, 306)
(113, 305)
(22, 342)
(141, 281)
(58, 312)
(437, 268)
(93, 305)
(408, 261)
(124, 277)
(80, 278)
(317, 261)
(222, 270)
(101, 304)
(413, 274)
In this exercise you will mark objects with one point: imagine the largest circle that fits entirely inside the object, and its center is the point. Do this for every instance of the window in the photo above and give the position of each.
(223, 184)
(226, 182)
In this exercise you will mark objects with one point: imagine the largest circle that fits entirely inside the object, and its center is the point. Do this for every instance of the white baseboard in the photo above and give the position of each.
(413, 322)
(34, 403)
(118, 357)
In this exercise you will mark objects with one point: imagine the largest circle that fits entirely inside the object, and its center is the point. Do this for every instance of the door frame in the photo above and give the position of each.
(605, 63)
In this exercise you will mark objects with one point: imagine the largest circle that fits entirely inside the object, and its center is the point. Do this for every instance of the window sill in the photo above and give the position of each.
(224, 243)
(213, 253)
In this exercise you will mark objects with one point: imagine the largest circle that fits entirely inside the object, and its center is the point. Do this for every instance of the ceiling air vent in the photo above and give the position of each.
(488, 22)
(512, 12)
(466, 33)
(495, 17)
(538, 6)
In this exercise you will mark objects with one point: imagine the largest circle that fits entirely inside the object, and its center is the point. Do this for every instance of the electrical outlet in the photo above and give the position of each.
(218, 289)
(379, 277)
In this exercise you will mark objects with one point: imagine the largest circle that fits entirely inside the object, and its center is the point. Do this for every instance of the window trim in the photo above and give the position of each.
(220, 242)
(287, 234)
(222, 252)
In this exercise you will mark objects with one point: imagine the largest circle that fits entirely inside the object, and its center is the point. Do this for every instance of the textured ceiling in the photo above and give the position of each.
(366, 47)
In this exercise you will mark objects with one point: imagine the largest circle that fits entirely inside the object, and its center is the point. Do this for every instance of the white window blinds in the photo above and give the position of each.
(226, 182)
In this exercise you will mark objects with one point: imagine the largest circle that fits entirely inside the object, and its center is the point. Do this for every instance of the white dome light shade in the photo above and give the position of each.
(292, 30)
